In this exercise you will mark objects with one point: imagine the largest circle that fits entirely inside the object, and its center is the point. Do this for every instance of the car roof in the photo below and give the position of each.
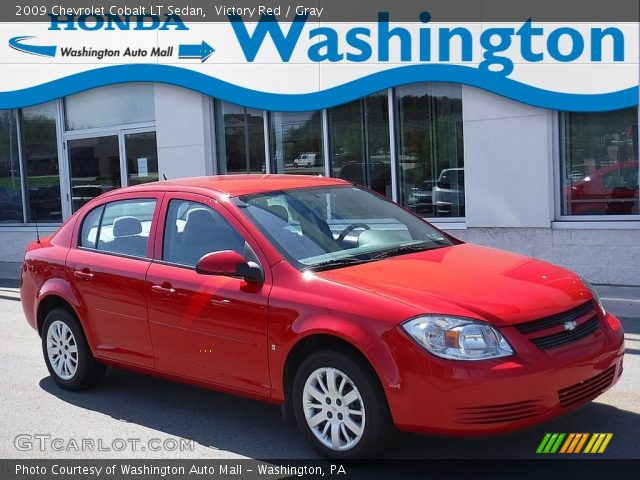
(235, 185)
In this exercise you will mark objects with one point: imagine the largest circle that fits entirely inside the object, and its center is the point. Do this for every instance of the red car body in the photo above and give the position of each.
(245, 338)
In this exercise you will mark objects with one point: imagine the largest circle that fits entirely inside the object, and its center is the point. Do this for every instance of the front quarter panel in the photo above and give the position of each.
(300, 307)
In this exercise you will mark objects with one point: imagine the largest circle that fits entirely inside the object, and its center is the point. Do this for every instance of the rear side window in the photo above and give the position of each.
(89, 233)
(119, 227)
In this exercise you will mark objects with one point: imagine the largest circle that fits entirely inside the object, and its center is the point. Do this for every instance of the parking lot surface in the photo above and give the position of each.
(136, 416)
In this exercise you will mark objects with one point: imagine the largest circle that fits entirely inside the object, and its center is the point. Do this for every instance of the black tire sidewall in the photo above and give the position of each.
(87, 369)
(376, 410)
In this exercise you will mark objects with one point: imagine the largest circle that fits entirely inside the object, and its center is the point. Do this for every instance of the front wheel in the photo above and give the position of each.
(339, 406)
(67, 353)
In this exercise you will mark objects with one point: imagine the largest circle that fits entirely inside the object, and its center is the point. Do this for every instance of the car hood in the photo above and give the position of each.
(469, 280)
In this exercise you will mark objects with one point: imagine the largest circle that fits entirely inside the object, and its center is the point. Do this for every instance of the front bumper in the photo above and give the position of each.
(483, 397)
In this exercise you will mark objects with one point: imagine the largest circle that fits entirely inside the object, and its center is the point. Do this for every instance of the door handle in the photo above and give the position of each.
(166, 291)
(84, 274)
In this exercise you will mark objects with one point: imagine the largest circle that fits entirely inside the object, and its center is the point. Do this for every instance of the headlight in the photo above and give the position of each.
(596, 297)
(457, 338)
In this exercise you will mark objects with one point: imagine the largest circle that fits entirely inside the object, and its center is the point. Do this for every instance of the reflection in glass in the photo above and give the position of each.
(296, 142)
(241, 140)
(111, 105)
(600, 163)
(360, 142)
(142, 157)
(10, 187)
(94, 165)
(41, 161)
(430, 149)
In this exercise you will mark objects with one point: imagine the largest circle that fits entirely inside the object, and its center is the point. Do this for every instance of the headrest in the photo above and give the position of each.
(280, 212)
(200, 226)
(126, 226)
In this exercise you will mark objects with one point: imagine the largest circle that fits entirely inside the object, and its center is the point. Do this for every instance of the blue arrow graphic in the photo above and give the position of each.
(43, 51)
(202, 51)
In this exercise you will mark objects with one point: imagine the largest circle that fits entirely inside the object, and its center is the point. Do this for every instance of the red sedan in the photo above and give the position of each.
(349, 311)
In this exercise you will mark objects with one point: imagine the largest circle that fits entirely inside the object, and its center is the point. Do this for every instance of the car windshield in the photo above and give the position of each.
(330, 227)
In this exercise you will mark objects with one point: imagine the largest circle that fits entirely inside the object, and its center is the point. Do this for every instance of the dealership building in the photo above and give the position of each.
(560, 186)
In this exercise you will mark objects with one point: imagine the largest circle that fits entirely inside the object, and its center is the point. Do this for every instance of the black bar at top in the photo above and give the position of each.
(361, 10)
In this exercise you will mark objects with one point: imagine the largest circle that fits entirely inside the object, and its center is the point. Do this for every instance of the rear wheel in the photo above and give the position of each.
(338, 405)
(67, 354)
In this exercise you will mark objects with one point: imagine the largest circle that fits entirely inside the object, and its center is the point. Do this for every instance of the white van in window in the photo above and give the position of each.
(306, 159)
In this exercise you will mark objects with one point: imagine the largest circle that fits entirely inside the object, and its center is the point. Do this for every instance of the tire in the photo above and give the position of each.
(67, 353)
(295, 164)
(326, 407)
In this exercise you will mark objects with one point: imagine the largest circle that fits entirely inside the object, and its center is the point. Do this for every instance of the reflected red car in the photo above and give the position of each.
(610, 190)
(351, 312)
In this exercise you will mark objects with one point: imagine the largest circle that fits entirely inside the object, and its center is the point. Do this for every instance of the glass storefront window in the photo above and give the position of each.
(600, 163)
(120, 104)
(359, 142)
(94, 168)
(240, 139)
(430, 149)
(296, 142)
(42, 174)
(142, 157)
(10, 185)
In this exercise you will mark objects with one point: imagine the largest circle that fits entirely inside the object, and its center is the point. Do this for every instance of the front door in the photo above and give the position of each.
(210, 328)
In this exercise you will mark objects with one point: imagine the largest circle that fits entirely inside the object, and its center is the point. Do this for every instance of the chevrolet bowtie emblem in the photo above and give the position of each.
(570, 325)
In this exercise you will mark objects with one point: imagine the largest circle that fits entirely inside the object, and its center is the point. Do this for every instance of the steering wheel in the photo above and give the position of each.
(350, 228)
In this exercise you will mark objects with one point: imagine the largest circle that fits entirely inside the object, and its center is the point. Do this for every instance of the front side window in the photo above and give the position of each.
(430, 149)
(599, 167)
(120, 227)
(328, 227)
(193, 230)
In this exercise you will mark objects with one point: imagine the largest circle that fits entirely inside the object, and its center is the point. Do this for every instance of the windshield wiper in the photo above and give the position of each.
(403, 249)
(336, 263)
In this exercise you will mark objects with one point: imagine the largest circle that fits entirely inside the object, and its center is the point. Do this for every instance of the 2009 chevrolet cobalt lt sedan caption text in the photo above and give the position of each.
(319, 295)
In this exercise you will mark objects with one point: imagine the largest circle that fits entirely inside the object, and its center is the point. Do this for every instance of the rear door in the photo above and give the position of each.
(210, 328)
(109, 267)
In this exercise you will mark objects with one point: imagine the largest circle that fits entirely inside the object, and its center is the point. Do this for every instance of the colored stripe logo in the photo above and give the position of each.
(574, 443)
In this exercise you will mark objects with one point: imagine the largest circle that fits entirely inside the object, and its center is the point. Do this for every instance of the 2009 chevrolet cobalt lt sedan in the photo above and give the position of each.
(313, 293)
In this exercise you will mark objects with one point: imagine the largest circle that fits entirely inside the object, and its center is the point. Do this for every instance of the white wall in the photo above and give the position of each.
(601, 255)
(508, 161)
(183, 132)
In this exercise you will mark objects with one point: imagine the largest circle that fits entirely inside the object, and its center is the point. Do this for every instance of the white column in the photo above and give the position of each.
(183, 132)
(508, 157)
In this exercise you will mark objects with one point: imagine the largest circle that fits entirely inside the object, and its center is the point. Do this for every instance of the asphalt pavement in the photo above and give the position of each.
(135, 416)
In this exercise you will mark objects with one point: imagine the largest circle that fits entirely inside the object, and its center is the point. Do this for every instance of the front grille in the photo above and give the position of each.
(507, 412)
(563, 328)
(586, 390)
(564, 338)
(555, 320)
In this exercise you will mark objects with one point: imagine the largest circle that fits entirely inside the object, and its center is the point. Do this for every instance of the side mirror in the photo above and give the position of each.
(228, 263)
